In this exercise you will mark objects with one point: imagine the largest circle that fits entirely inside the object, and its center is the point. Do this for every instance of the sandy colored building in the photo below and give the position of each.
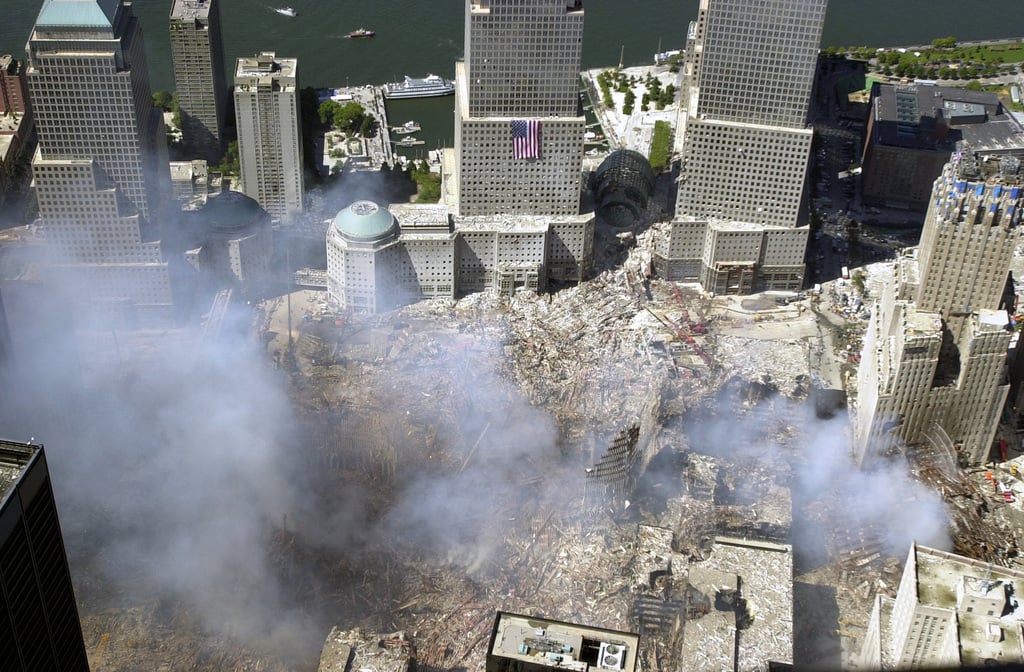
(269, 133)
(519, 126)
(933, 367)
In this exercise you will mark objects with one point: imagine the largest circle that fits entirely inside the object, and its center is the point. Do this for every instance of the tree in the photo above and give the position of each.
(327, 109)
(348, 117)
(974, 85)
(627, 105)
(858, 280)
(944, 42)
(163, 99)
(230, 164)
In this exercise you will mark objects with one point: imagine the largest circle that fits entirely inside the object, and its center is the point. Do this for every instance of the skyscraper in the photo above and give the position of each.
(933, 369)
(100, 170)
(949, 611)
(518, 125)
(269, 136)
(197, 56)
(39, 626)
(748, 75)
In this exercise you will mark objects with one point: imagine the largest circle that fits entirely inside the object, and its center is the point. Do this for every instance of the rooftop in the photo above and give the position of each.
(928, 117)
(365, 221)
(939, 573)
(266, 64)
(190, 9)
(77, 13)
(522, 642)
(14, 457)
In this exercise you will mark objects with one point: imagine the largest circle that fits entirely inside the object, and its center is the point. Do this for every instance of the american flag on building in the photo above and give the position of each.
(525, 139)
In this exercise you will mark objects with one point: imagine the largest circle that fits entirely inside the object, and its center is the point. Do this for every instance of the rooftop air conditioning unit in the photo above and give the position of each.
(611, 656)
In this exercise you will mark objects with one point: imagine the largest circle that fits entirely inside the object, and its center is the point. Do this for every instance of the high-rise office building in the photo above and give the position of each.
(197, 56)
(269, 134)
(39, 626)
(933, 369)
(518, 124)
(949, 611)
(101, 169)
(748, 74)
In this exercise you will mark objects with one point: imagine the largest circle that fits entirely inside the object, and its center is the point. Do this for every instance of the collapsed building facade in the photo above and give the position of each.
(933, 367)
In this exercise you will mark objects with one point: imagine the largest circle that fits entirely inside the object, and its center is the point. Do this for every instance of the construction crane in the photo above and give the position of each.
(686, 328)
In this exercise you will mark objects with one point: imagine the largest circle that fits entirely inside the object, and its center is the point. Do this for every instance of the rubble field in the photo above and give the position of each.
(537, 454)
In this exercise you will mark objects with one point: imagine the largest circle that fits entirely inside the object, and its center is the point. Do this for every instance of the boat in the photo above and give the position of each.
(407, 127)
(412, 87)
(361, 32)
(409, 141)
(286, 11)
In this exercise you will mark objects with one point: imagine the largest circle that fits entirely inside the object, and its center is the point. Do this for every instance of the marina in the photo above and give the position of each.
(407, 127)
(408, 141)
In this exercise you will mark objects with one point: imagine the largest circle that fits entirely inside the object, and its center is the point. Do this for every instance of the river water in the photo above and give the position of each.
(415, 37)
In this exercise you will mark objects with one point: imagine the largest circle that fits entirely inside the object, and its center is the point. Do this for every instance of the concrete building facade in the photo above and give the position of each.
(197, 58)
(949, 611)
(381, 258)
(269, 135)
(746, 143)
(39, 625)
(933, 367)
(100, 169)
(522, 65)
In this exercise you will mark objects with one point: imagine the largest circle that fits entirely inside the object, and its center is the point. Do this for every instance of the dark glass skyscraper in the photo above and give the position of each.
(39, 626)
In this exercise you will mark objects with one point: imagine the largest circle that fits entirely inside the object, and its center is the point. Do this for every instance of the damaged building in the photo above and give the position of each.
(949, 611)
(380, 258)
(530, 644)
(933, 367)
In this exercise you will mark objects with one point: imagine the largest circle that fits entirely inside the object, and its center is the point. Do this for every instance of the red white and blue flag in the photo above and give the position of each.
(525, 139)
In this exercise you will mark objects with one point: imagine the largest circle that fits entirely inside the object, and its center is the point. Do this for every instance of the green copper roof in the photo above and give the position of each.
(77, 13)
(365, 221)
(230, 212)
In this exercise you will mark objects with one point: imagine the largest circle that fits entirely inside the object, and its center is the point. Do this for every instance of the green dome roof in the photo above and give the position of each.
(365, 221)
(230, 211)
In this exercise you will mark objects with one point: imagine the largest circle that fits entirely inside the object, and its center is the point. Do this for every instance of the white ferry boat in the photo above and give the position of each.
(412, 87)
(286, 11)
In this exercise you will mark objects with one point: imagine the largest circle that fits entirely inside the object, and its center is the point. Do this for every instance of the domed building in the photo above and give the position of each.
(623, 185)
(237, 244)
(376, 264)
(382, 258)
